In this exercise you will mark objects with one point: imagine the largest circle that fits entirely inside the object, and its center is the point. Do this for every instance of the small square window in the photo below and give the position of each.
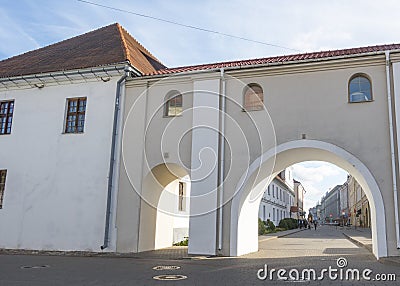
(75, 118)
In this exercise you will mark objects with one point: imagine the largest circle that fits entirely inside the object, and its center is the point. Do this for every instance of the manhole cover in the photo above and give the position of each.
(172, 277)
(166, 267)
(34, 266)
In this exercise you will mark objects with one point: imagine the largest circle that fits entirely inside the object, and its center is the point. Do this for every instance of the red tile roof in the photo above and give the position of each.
(280, 59)
(105, 46)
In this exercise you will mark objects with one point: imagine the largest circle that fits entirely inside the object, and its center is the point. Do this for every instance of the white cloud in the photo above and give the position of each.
(317, 178)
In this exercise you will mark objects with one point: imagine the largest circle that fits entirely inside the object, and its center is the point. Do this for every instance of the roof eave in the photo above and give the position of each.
(103, 73)
(244, 67)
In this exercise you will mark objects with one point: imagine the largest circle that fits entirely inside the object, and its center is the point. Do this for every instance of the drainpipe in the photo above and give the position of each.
(117, 108)
(392, 152)
(221, 171)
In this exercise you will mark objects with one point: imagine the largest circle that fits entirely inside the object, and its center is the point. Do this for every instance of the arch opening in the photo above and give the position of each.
(164, 212)
(245, 204)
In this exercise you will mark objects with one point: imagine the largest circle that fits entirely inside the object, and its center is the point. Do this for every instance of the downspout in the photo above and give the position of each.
(128, 70)
(392, 152)
(221, 171)
(143, 162)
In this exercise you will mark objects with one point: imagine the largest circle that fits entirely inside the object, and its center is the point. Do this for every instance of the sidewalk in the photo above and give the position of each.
(278, 234)
(360, 236)
(363, 237)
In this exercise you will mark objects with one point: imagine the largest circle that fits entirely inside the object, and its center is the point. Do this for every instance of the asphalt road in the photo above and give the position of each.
(304, 250)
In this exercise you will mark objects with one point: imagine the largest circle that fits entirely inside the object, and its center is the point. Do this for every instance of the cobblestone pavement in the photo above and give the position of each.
(318, 249)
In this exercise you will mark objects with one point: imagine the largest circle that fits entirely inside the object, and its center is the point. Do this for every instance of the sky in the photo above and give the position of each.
(299, 26)
(317, 178)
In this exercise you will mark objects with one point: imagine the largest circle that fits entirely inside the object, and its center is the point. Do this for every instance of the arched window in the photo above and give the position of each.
(253, 97)
(360, 89)
(173, 104)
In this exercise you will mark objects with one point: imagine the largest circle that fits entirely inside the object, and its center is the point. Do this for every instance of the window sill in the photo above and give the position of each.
(72, 133)
(251, 110)
(365, 101)
(172, 116)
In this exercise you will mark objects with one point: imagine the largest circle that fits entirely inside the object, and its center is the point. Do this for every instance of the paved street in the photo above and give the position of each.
(306, 249)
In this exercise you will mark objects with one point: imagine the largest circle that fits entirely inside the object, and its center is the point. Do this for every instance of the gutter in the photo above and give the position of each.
(113, 160)
(392, 151)
(221, 171)
(30, 80)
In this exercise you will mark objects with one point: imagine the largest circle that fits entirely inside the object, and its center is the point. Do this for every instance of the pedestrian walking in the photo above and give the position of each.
(315, 224)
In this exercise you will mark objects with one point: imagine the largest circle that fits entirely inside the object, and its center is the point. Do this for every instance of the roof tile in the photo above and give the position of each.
(281, 59)
(105, 46)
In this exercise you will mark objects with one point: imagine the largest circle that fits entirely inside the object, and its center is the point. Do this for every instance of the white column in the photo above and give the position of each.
(203, 197)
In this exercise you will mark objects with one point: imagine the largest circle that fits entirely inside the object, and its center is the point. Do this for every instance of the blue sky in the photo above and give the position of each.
(302, 25)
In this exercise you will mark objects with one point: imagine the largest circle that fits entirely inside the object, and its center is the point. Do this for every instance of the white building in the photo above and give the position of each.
(59, 107)
(277, 199)
(95, 132)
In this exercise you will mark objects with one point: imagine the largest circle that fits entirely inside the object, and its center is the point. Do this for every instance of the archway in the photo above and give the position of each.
(245, 204)
(164, 204)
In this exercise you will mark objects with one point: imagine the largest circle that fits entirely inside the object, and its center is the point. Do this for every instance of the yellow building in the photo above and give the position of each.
(359, 209)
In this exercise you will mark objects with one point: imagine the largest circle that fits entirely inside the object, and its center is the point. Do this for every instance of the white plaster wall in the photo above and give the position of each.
(308, 99)
(396, 96)
(148, 136)
(56, 190)
(203, 201)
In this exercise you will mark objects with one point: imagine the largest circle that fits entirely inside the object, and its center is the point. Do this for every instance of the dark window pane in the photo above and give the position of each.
(82, 105)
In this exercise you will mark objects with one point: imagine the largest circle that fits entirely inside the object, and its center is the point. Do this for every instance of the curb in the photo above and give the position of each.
(283, 235)
(357, 242)
(279, 236)
(390, 260)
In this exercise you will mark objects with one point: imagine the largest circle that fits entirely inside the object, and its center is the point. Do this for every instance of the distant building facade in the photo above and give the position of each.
(346, 204)
(299, 193)
(277, 199)
(359, 209)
